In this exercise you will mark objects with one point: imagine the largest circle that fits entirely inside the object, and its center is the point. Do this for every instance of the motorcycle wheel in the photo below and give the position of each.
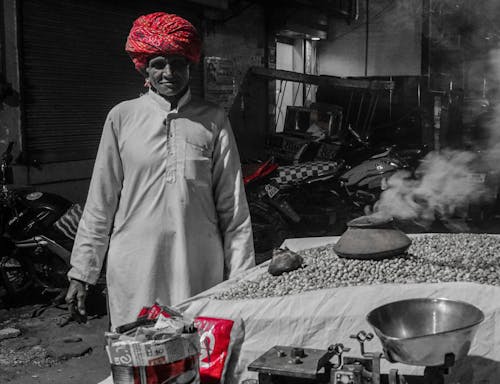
(269, 230)
(319, 211)
(15, 277)
(49, 270)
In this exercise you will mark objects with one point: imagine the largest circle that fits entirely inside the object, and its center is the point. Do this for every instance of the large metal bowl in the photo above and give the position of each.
(423, 331)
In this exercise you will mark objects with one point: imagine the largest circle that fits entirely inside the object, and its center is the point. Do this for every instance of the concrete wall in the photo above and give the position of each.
(394, 41)
(10, 112)
(68, 179)
(242, 39)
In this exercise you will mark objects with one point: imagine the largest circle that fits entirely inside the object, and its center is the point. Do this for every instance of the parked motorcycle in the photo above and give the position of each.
(367, 169)
(364, 183)
(37, 232)
(289, 201)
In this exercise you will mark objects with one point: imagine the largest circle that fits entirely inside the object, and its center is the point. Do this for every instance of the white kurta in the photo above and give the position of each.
(167, 204)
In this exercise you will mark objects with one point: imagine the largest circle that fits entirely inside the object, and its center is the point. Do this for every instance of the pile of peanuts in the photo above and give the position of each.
(432, 258)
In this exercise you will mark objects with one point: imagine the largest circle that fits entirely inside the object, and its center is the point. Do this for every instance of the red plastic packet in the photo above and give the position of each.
(217, 338)
(144, 311)
(163, 312)
(154, 312)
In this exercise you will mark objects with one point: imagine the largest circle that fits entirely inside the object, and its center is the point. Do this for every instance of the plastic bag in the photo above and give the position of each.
(218, 340)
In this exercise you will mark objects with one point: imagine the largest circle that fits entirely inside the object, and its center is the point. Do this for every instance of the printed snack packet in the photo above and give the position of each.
(143, 312)
(154, 312)
(155, 348)
(218, 338)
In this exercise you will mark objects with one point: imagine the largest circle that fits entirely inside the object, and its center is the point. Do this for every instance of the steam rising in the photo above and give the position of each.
(493, 152)
(450, 180)
(445, 183)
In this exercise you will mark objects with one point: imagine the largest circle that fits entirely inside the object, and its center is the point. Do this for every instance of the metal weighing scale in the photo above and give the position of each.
(434, 333)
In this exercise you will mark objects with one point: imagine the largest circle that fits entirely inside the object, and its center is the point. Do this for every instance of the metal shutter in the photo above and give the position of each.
(74, 70)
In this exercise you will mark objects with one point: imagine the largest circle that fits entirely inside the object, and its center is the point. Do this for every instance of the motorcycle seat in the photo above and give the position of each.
(290, 174)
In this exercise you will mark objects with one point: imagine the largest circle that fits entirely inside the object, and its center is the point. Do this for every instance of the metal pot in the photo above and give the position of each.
(372, 237)
(424, 331)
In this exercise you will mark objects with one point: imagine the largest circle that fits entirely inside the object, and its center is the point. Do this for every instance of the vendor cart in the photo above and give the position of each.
(333, 322)
(318, 319)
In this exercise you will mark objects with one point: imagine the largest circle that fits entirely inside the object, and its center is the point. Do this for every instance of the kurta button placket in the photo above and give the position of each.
(170, 151)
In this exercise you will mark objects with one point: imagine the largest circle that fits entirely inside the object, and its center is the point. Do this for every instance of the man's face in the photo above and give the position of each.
(169, 74)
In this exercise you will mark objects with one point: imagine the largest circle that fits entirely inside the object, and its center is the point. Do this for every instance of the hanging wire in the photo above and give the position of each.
(308, 90)
(296, 94)
(277, 102)
(282, 94)
(308, 87)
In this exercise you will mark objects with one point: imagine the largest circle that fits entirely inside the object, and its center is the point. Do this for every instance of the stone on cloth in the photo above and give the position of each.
(283, 261)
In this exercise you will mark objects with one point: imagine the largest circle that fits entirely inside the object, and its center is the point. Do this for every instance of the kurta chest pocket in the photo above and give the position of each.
(198, 162)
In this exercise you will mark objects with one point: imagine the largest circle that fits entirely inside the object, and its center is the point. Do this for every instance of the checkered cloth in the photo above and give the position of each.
(292, 173)
(68, 223)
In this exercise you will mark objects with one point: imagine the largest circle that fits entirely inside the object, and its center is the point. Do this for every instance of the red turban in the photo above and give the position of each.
(159, 34)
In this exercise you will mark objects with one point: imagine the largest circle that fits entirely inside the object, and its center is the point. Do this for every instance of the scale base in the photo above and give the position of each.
(315, 366)
(265, 378)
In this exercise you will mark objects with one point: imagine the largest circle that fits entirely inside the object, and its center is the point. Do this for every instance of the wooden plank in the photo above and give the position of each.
(278, 74)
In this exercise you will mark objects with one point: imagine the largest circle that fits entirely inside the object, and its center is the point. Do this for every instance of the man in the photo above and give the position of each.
(166, 201)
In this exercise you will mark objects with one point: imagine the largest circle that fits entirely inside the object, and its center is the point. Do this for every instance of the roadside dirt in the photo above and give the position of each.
(47, 353)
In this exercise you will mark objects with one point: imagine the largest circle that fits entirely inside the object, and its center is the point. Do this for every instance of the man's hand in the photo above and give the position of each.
(75, 298)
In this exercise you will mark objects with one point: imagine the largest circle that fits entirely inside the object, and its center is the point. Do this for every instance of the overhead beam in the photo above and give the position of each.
(278, 74)
(219, 4)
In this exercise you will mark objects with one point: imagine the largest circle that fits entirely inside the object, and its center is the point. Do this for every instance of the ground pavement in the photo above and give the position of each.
(46, 353)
